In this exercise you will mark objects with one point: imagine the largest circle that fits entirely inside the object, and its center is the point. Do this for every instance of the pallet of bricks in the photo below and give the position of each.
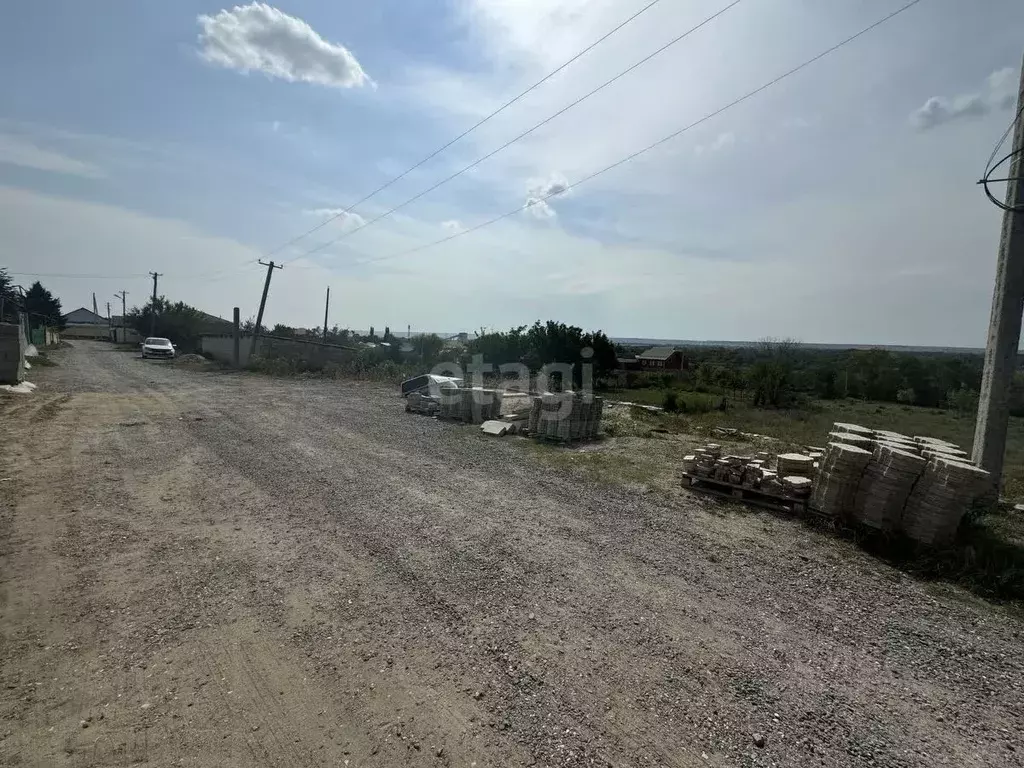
(565, 417)
(473, 405)
(783, 483)
(920, 486)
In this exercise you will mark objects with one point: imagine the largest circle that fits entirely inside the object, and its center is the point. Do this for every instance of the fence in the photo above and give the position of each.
(221, 347)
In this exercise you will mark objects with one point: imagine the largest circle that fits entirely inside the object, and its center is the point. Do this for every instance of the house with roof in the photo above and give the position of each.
(83, 323)
(661, 359)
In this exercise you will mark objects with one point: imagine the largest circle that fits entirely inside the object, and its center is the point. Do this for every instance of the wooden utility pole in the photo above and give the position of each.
(263, 303)
(152, 307)
(1004, 325)
(124, 311)
(327, 306)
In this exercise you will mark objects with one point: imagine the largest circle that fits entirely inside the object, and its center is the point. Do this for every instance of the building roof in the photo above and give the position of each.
(85, 317)
(657, 353)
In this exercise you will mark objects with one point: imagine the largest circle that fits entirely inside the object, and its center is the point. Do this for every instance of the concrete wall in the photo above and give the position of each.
(86, 332)
(12, 354)
(126, 336)
(220, 347)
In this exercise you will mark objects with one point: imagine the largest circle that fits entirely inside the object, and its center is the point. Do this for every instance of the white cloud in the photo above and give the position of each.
(16, 150)
(997, 93)
(541, 191)
(452, 226)
(262, 38)
(343, 219)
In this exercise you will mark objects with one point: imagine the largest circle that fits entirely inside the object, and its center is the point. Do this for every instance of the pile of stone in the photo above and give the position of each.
(702, 463)
(838, 477)
(566, 417)
(939, 499)
(788, 479)
(885, 485)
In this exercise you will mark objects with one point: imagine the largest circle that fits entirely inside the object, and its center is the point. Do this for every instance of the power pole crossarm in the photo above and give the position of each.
(263, 303)
(1004, 326)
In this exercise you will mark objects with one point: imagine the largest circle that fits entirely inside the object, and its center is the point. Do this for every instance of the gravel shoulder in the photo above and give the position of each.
(214, 569)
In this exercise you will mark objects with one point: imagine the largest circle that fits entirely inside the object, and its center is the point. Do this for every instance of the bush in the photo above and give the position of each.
(671, 401)
(906, 396)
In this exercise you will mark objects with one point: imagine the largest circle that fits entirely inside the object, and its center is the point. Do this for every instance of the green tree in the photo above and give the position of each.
(8, 298)
(43, 308)
(177, 321)
(769, 376)
(964, 401)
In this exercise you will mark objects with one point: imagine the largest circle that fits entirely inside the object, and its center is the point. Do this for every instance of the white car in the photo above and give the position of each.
(157, 347)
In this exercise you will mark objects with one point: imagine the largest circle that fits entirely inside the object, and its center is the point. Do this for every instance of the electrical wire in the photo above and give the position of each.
(522, 135)
(991, 167)
(78, 276)
(987, 180)
(468, 131)
(663, 140)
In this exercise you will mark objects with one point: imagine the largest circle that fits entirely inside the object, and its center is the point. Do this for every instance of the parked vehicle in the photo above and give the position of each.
(157, 347)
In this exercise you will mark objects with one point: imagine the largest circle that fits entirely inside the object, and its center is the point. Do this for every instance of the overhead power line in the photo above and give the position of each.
(82, 276)
(524, 134)
(469, 130)
(661, 141)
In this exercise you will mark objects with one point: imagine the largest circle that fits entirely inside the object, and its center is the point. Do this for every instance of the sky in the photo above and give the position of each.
(193, 139)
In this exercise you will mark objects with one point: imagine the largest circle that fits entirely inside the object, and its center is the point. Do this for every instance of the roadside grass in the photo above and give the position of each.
(643, 450)
(42, 361)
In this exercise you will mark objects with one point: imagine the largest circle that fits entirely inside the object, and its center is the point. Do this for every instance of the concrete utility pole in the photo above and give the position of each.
(124, 311)
(327, 306)
(1005, 322)
(152, 308)
(263, 303)
(236, 334)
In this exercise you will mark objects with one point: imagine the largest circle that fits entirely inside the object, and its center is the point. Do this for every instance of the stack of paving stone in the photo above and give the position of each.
(797, 486)
(568, 417)
(473, 406)
(771, 482)
(535, 408)
(451, 404)
(799, 464)
(705, 464)
(885, 485)
(417, 402)
(867, 442)
(753, 472)
(852, 429)
(940, 498)
(838, 476)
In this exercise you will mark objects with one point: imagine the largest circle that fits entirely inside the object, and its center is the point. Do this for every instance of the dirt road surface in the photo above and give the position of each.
(211, 569)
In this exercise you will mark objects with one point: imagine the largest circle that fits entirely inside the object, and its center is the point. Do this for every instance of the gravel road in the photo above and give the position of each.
(211, 569)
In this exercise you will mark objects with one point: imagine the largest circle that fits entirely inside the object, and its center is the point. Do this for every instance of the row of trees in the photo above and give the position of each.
(551, 342)
(779, 372)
